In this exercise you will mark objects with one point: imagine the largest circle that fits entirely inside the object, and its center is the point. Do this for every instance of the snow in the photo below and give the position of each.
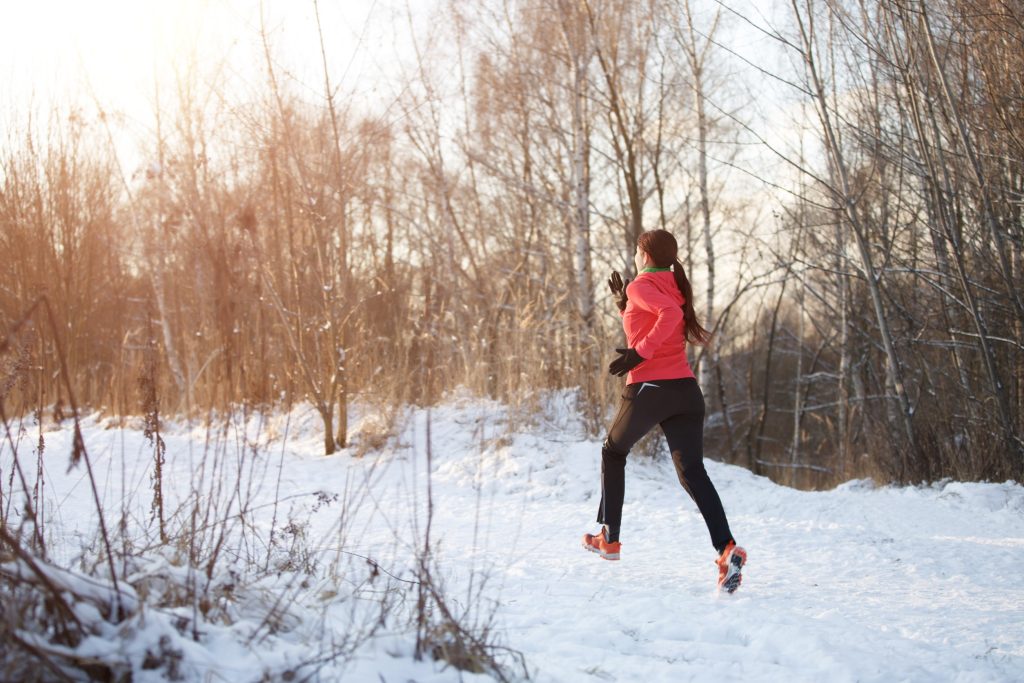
(860, 583)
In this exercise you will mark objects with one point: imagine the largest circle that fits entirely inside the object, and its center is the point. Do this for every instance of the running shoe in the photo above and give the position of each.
(730, 562)
(600, 545)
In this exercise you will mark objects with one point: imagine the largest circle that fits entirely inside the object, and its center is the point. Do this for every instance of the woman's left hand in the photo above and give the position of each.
(618, 287)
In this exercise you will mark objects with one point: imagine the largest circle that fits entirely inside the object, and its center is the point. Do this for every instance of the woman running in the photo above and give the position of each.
(658, 318)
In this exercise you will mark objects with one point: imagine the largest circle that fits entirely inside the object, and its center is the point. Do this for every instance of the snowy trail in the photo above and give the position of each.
(854, 584)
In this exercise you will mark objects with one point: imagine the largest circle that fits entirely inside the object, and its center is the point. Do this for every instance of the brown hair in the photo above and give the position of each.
(661, 246)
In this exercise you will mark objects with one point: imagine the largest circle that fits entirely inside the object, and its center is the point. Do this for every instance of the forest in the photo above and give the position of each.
(855, 237)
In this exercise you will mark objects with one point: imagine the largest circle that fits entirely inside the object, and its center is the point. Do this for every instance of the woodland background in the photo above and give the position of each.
(859, 256)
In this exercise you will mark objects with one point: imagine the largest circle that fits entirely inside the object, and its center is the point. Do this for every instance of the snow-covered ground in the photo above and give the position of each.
(860, 583)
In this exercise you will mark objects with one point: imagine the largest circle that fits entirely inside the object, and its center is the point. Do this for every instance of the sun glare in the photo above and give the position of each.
(59, 49)
(112, 54)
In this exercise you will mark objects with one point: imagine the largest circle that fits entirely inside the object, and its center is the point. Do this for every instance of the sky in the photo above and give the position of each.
(113, 51)
(119, 46)
(110, 54)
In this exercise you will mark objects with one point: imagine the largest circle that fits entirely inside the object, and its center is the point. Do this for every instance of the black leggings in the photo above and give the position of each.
(678, 406)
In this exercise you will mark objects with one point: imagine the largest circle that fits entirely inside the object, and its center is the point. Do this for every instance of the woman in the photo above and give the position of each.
(658, 317)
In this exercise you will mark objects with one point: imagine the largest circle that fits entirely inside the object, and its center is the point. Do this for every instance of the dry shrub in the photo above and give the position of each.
(467, 640)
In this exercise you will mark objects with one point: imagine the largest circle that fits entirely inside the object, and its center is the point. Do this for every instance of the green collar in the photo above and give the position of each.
(654, 270)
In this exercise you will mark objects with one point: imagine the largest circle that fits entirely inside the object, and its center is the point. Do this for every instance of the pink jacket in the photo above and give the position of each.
(653, 321)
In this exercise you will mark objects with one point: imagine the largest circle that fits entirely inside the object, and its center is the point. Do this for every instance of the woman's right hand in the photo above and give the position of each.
(618, 287)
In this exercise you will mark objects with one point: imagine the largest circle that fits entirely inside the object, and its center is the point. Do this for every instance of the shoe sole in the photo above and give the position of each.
(733, 576)
(602, 555)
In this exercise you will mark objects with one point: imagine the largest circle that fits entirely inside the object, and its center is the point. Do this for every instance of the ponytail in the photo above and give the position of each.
(693, 331)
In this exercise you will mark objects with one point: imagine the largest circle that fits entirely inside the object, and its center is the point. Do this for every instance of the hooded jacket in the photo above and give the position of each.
(653, 322)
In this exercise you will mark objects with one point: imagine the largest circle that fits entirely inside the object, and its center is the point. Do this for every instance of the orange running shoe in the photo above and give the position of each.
(599, 544)
(730, 562)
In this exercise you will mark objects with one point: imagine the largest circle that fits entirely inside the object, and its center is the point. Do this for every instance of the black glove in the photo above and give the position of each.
(618, 288)
(627, 360)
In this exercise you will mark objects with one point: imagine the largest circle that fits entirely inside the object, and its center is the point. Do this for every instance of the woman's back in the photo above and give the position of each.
(653, 322)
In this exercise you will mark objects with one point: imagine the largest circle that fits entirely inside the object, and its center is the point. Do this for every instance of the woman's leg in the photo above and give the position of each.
(684, 432)
(638, 413)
